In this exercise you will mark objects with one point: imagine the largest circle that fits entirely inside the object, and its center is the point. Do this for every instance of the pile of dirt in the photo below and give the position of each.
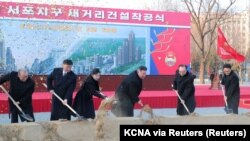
(106, 128)
(147, 115)
(101, 116)
(193, 114)
(50, 130)
(246, 114)
(11, 133)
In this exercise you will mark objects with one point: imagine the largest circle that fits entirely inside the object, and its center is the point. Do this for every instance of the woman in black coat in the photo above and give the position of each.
(83, 103)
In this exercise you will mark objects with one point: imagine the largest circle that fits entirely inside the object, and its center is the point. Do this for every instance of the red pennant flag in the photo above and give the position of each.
(225, 51)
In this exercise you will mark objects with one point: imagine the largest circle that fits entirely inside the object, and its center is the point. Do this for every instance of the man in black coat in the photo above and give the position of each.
(231, 83)
(21, 90)
(62, 81)
(184, 85)
(127, 94)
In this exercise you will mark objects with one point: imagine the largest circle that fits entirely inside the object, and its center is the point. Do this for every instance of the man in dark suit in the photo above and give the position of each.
(231, 83)
(184, 85)
(62, 81)
(21, 90)
(127, 94)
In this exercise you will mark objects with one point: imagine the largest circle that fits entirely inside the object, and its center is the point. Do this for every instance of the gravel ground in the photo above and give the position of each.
(4, 118)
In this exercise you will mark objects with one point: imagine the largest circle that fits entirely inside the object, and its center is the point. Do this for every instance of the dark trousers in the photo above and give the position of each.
(15, 113)
(181, 111)
(233, 103)
(123, 108)
(88, 109)
(190, 103)
(59, 111)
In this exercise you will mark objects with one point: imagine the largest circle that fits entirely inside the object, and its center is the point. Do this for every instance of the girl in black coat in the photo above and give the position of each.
(83, 103)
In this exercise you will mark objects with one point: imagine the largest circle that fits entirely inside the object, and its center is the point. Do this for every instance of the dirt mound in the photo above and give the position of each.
(101, 116)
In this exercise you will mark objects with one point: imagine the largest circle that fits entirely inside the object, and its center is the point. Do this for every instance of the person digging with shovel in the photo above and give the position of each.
(230, 83)
(183, 85)
(84, 103)
(127, 93)
(61, 81)
(20, 95)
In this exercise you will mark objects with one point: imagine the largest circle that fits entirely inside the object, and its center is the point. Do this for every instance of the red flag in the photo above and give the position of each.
(225, 51)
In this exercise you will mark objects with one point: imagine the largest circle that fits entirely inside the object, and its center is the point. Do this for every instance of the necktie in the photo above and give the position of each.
(64, 73)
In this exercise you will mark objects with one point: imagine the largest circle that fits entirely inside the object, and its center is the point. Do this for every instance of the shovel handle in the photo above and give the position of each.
(182, 102)
(67, 105)
(13, 101)
(224, 95)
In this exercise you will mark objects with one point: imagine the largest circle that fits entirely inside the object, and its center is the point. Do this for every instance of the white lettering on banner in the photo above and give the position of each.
(28, 10)
(94, 14)
(159, 17)
(223, 52)
(56, 11)
(73, 13)
(99, 14)
(13, 10)
(112, 15)
(148, 17)
(87, 13)
(136, 16)
(124, 16)
(42, 11)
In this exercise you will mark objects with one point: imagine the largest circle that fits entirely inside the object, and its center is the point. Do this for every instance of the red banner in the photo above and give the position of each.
(225, 51)
(91, 14)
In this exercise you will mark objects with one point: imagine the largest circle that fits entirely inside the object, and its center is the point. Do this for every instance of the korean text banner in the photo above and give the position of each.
(40, 36)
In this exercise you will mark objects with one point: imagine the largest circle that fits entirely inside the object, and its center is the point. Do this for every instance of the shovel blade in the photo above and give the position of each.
(146, 112)
(79, 117)
(228, 111)
(145, 115)
(27, 117)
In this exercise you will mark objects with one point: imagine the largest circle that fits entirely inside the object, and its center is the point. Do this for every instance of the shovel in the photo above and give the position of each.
(227, 110)
(182, 102)
(146, 112)
(67, 105)
(27, 117)
(185, 106)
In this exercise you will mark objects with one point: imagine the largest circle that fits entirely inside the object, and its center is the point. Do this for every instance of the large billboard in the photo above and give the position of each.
(39, 37)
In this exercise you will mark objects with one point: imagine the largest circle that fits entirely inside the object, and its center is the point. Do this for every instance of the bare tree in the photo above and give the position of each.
(206, 16)
(240, 40)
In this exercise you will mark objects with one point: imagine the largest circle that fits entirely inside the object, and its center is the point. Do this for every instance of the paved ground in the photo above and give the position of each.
(4, 118)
